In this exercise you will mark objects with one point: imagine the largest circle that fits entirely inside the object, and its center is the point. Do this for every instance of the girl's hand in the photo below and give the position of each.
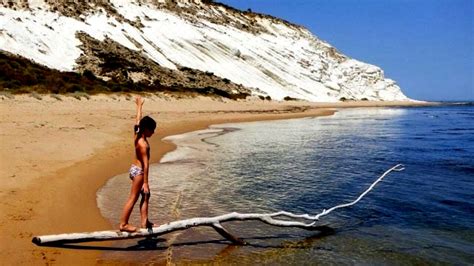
(139, 101)
(146, 189)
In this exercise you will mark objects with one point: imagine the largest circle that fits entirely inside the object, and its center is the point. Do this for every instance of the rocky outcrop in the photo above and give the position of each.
(109, 60)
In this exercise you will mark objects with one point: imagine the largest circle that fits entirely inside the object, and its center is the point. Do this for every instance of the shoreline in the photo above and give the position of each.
(65, 200)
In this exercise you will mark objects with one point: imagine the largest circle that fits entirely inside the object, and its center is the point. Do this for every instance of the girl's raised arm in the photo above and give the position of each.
(139, 102)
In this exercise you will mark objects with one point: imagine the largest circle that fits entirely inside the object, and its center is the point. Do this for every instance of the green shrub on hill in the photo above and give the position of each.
(20, 75)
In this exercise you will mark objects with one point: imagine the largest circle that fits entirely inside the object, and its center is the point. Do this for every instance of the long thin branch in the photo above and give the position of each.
(215, 222)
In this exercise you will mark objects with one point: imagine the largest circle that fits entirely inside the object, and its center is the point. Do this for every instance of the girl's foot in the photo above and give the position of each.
(127, 228)
(148, 224)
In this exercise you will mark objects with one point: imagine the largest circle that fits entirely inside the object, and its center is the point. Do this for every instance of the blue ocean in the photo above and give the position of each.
(422, 215)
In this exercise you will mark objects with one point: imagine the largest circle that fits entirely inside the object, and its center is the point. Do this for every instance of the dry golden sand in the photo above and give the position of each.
(55, 155)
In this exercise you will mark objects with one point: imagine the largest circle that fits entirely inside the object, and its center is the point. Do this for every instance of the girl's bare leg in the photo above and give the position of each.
(132, 199)
(144, 210)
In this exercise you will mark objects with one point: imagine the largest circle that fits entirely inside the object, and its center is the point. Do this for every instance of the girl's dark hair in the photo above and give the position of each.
(145, 123)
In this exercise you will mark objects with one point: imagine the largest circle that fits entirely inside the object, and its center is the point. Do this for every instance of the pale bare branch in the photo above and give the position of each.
(214, 222)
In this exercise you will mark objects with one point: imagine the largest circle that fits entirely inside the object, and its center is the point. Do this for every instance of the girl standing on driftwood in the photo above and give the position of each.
(144, 128)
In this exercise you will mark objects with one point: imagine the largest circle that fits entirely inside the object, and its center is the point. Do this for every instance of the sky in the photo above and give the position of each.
(426, 46)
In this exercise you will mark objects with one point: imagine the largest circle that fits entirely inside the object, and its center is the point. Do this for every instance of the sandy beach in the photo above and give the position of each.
(56, 154)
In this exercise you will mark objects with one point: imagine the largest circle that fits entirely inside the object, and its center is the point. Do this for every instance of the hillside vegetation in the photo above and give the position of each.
(20, 75)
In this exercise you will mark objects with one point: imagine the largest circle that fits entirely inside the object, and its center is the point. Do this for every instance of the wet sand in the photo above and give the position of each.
(55, 155)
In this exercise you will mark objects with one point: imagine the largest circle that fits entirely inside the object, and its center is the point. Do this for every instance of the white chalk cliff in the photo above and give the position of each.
(265, 54)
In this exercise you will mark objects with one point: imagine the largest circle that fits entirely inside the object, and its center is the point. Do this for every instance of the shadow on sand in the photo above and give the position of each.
(157, 243)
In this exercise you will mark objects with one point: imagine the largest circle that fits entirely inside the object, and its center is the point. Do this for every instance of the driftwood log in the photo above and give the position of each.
(214, 222)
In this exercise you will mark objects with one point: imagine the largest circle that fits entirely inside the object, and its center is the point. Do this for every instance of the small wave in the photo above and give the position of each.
(454, 133)
(452, 129)
(466, 113)
(462, 206)
(451, 202)
(459, 166)
(466, 169)
(463, 103)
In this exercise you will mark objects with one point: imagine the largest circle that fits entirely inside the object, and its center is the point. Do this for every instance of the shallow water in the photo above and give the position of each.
(421, 215)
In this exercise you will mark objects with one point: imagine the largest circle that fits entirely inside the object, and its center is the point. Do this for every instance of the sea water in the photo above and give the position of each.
(424, 214)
